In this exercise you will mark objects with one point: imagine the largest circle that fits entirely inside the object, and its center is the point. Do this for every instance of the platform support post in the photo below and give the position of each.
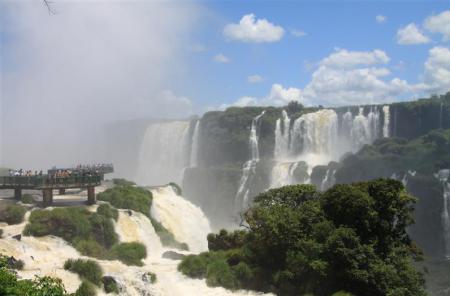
(62, 191)
(18, 193)
(47, 197)
(91, 195)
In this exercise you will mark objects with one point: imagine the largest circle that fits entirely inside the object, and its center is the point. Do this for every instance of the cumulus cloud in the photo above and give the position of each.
(343, 58)
(278, 96)
(221, 58)
(439, 24)
(254, 78)
(358, 77)
(250, 29)
(380, 19)
(437, 70)
(67, 75)
(411, 34)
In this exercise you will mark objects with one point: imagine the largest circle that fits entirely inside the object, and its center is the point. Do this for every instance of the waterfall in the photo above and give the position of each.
(195, 145)
(328, 180)
(185, 220)
(250, 165)
(318, 138)
(282, 136)
(443, 176)
(164, 153)
(386, 122)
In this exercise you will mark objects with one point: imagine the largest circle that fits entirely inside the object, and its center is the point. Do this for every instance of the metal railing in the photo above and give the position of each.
(49, 181)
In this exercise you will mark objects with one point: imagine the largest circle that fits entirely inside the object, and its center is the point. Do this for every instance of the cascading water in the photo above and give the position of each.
(46, 255)
(443, 176)
(164, 153)
(249, 167)
(318, 138)
(282, 136)
(185, 220)
(386, 121)
(195, 144)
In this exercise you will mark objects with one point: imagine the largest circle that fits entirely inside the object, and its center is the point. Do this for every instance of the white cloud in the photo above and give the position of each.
(221, 58)
(380, 19)
(254, 30)
(437, 70)
(439, 24)
(411, 34)
(254, 78)
(278, 96)
(298, 33)
(343, 58)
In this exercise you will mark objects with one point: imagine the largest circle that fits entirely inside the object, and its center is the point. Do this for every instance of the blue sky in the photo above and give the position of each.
(291, 61)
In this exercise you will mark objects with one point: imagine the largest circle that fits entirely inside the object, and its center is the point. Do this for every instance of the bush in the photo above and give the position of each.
(193, 266)
(90, 233)
(91, 248)
(122, 182)
(12, 214)
(129, 253)
(110, 285)
(128, 197)
(166, 237)
(107, 211)
(27, 199)
(86, 289)
(86, 269)
(219, 273)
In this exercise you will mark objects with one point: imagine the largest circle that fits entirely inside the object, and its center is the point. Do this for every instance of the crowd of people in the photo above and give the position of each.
(26, 173)
(78, 170)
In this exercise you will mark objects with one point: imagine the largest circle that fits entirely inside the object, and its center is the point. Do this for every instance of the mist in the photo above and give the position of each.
(67, 75)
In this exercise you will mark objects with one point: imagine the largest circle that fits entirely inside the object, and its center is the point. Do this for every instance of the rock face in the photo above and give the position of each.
(173, 255)
(17, 237)
(149, 277)
(219, 140)
(110, 284)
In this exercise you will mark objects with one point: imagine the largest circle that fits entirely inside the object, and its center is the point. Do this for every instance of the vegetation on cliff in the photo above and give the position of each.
(126, 196)
(350, 238)
(12, 214)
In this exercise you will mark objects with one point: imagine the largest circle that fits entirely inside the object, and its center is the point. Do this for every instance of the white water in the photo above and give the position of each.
(185, 220)
(164, 153)
(195, 145)
(248, 170)
(46, 255)
(386, 123)
(443, 176)
(318, 138)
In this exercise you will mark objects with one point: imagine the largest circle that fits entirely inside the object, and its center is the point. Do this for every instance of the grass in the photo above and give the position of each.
(107, 211)
(86, 289)
(129, 253)
(27, 199)
(12, 214)
(86, 269)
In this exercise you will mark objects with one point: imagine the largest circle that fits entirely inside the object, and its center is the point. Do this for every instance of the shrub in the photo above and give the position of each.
(90, 248)
(103, 230)
(107, 211)
(129, 253)
(12, 214)
(86, 289)
(86, 269)
(219, 273)
(122, 182)
(193, 266)
(27, 199)
(166, 237)
(110, 285)
(128, 197)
